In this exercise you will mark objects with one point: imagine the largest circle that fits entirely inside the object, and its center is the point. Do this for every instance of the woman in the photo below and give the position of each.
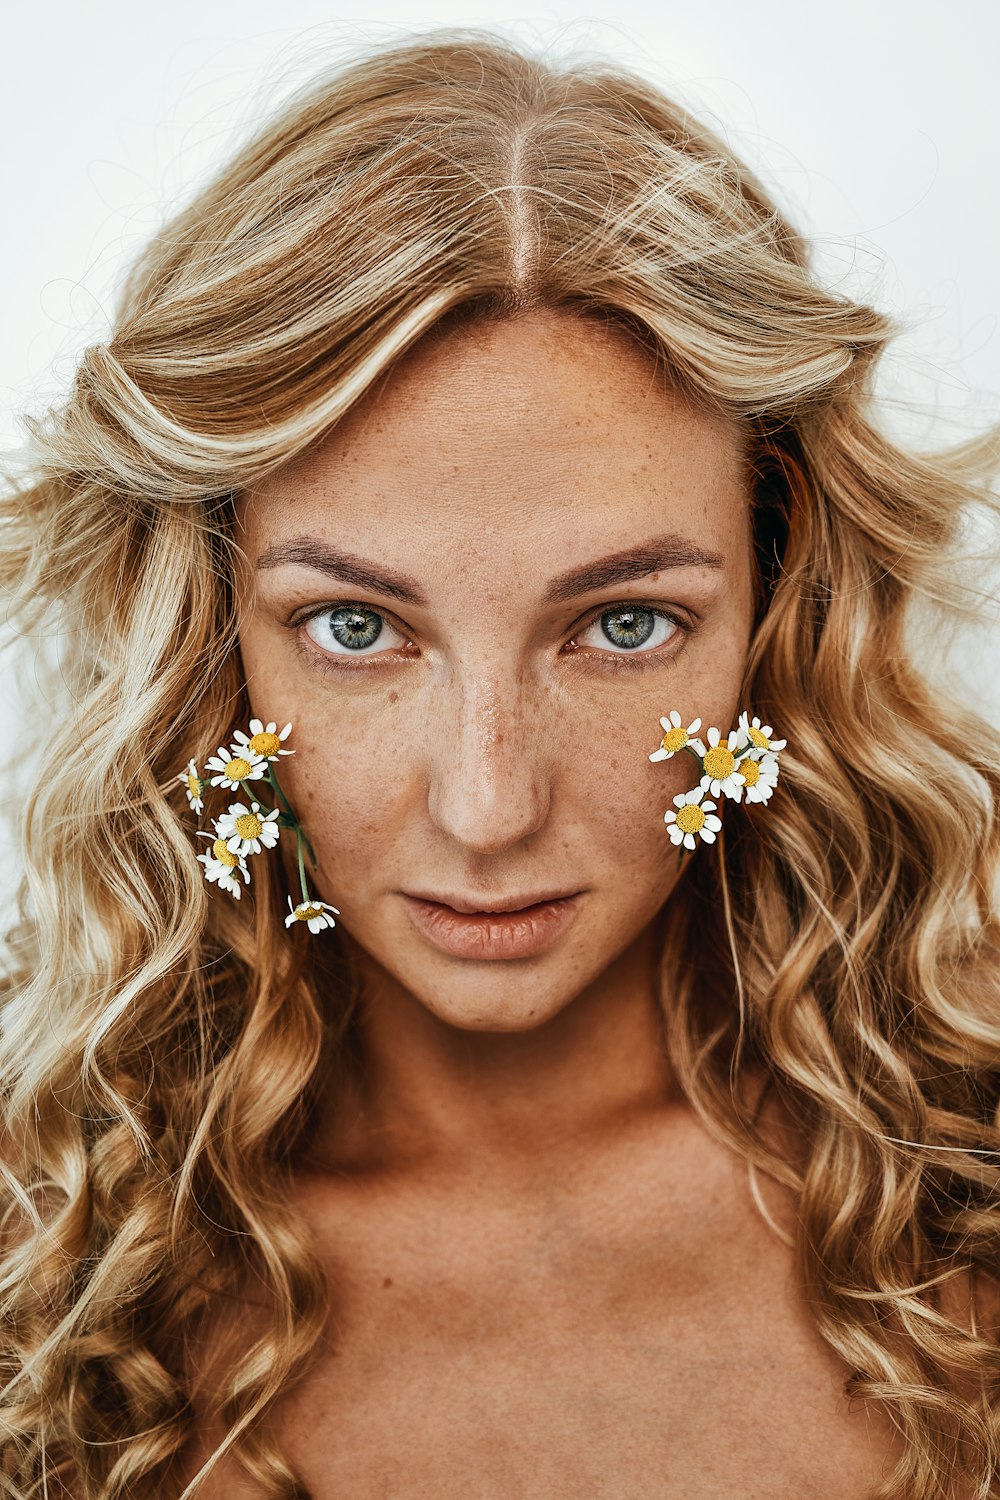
(483, 422)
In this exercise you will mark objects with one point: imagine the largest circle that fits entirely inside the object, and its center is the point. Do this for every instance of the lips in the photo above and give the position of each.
(514, 932)
(488, 903)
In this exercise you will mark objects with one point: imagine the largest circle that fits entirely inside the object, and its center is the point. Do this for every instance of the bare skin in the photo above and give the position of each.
(549, 1279)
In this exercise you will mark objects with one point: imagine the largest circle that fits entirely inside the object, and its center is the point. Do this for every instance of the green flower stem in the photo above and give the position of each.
(293, 821)
(273, 781)
(302, 868)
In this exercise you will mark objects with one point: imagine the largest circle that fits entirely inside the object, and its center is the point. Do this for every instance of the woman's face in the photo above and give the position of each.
(474, 600)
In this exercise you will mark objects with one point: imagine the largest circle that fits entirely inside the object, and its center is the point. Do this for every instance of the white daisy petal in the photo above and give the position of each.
(247, 830)
(192, 786)
(222, 867)
(316, 914)
(236, 768)
(264, 741)
(675, 737)
(693, 820)
(760, 734)
(762, 777)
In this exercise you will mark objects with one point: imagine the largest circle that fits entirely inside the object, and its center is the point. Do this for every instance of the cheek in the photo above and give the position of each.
(623, 800)
(349, 781)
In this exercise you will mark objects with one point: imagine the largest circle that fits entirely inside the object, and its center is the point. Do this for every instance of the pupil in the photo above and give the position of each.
(356, 628)
(628, 627)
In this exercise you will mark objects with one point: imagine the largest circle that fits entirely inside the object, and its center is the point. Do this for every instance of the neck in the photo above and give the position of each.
(428, 1091)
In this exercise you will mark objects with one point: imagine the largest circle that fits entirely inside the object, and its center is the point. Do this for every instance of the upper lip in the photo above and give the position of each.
(490, 903)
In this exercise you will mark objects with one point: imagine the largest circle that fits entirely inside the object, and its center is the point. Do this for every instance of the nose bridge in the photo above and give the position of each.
(489, 773)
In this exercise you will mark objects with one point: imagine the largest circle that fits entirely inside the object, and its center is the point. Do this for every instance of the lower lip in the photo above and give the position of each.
(497, 934)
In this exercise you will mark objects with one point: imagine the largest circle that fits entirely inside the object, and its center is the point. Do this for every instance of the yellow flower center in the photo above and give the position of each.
(750, 769)
(690, 818)
(719, 762)
(238, 768)
(265, 744)
(194, 786)
(303, 913)
(248, 826)
(674, 739)
(223, 855)
(758, 739)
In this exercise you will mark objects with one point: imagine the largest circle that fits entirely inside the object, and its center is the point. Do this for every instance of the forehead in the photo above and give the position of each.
(542, 427)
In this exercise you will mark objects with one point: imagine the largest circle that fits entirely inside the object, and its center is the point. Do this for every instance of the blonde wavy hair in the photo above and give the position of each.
(162, 1052)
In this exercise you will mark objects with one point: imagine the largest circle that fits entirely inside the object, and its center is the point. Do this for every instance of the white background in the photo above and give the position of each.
(874, 126)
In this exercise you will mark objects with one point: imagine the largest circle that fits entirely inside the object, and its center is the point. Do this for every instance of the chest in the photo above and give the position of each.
(575, 1358)
(518, 1398)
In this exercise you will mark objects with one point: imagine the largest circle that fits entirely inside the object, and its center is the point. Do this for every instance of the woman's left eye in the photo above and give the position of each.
(629, 628)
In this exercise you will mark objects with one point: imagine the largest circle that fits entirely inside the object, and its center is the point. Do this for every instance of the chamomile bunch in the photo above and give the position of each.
(744, 764)
(249, 827)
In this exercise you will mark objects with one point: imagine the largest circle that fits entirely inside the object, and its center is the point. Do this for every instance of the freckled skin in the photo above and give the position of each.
(483, 750)
(549, 1278)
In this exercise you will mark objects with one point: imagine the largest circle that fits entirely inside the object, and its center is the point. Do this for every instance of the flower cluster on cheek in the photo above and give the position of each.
(245, 831)
(744, 764)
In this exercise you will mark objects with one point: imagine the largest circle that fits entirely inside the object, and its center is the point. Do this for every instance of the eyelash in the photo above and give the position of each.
(616, 661)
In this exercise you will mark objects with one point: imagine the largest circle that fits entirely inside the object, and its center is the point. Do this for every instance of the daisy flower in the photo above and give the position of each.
(315, 914)
(675, 737)
(233, 769)
(247, 830)
(192, 786)
(693, 817)
(223, 867)
(760, 774)
(720, 771)
(262, 740)
(759, 735)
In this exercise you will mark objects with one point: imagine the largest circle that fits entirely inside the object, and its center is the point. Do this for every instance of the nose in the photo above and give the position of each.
(490, 766)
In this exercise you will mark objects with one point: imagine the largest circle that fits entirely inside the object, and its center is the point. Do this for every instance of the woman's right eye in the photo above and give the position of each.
(352, 630)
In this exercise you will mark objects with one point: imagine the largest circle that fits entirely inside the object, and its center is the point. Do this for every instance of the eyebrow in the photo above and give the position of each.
(654, 556)
(659, 553)
(346, 567)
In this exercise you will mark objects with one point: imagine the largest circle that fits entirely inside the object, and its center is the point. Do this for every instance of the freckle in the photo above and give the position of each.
(393, 696)
(387, 1282)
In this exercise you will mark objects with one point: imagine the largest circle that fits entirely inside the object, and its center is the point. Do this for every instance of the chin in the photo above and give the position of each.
(517, 1006)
